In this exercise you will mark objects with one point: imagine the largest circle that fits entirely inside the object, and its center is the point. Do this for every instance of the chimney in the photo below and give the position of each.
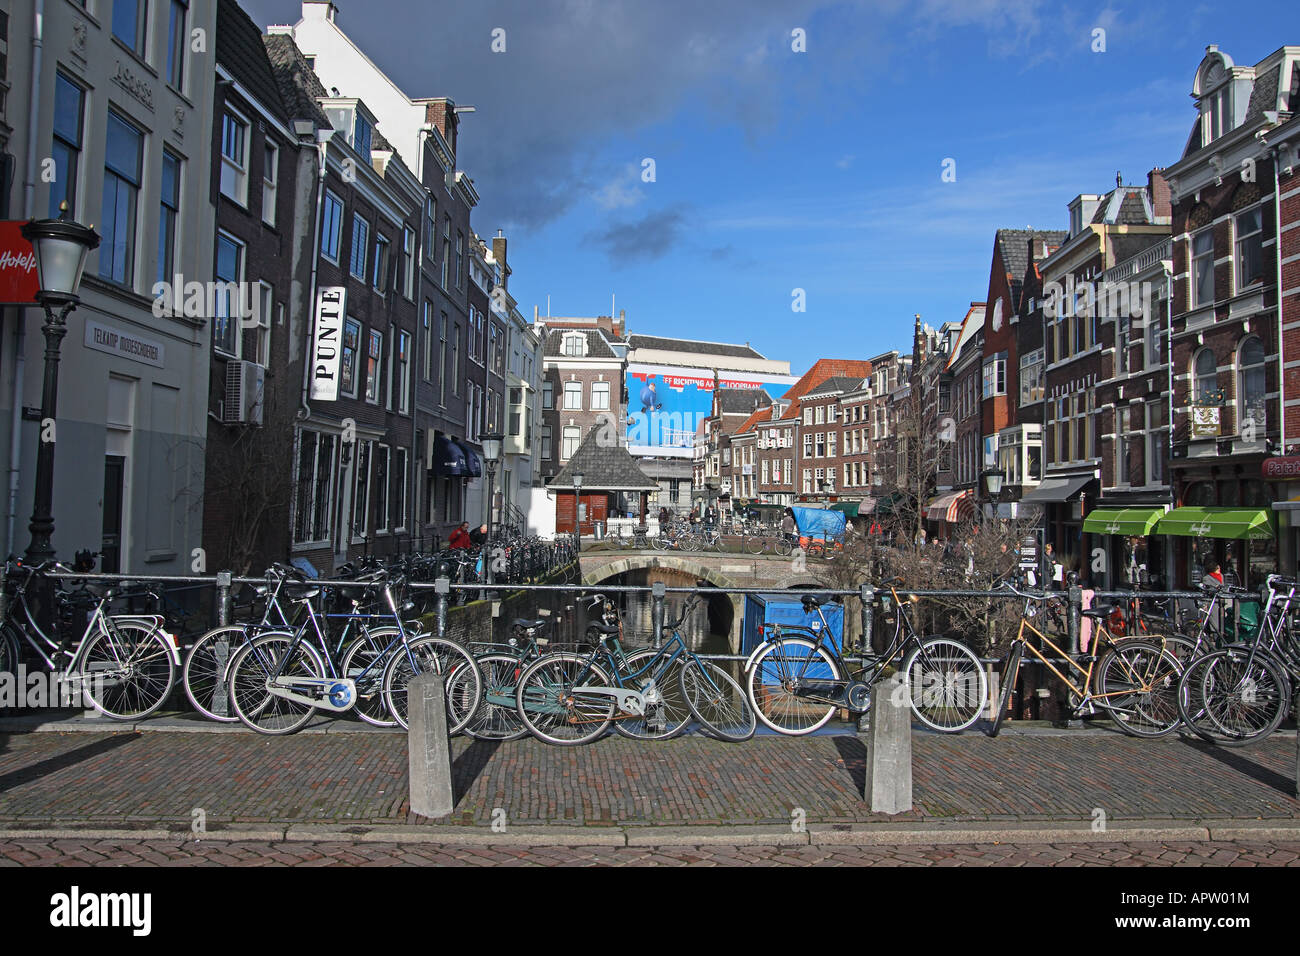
(441, 112)
(499, 253)
(319, 9)
(1158, 191)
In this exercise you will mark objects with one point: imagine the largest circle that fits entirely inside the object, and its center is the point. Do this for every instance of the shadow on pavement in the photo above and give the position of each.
(76, 755)
(466, 768)
(854, 754)
(1238, 761)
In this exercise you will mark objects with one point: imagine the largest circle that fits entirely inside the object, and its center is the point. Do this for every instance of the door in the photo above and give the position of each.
(111, 541)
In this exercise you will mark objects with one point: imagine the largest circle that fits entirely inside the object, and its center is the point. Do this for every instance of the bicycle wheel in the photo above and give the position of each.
(498, 717)
(946, 685)
(779, 671)
(127, 670)
(206, 668)
(552, 706)
(1245, 696)
(1191, 708)
(1010, 671)
(1137, 684)
(718, 702)
(434, 655)
(667, 712)
(783, 546)
(251, 671)
(365, 663)
(755, 543)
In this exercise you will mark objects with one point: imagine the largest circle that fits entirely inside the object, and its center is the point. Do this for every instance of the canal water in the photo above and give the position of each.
(707, 630)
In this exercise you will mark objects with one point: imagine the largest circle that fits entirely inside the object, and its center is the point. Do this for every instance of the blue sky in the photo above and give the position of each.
(778, 170)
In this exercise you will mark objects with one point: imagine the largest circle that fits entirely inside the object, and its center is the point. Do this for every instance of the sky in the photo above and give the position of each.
(710, 166)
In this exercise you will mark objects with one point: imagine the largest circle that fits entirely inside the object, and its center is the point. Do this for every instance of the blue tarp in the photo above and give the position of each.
(820, 523)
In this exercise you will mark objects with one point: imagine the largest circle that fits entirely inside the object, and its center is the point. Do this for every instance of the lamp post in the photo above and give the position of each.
(491, 455)
(577, 512)
(60, 247)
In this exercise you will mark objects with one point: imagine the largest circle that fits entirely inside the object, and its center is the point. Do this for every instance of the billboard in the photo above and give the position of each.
(667, 403)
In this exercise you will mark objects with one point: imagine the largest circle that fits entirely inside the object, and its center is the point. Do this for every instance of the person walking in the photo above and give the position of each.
(460, 538)
(788, 526)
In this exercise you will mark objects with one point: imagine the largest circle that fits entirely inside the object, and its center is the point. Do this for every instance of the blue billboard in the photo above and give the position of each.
(666, 404)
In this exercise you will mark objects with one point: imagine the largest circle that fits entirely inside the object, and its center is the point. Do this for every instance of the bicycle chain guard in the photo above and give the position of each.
(331, 693)
(629, 701)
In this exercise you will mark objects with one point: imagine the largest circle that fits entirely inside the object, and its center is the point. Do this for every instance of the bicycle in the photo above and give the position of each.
(1241, 693)
(796, 683)
(498, 716)
(123, 664)
(569, 698)
(768, 542)
(1135, 681)
(279, 680)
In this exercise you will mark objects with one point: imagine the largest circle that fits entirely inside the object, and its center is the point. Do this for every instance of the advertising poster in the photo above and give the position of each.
(666, 404)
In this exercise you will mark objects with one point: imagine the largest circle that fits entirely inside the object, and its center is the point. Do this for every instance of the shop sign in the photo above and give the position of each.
(1205, 422)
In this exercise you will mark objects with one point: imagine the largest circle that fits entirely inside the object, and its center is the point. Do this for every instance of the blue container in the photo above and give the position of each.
(785, 607)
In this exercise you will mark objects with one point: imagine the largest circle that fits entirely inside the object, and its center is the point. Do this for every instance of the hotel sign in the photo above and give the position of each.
(327, 343)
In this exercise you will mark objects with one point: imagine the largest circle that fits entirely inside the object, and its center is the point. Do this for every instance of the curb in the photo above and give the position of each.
(820, 834)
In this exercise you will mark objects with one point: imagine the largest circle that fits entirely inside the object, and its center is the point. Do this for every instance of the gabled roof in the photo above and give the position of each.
(240, 50)
(298, 83)
(836, 383)
(760, 415)
(597, 344)
(972, 323)
(692, 346)
(741, 401)
(604, 467)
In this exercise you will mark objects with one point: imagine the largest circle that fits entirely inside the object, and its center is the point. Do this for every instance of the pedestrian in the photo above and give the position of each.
(788, 526)
(460, 537)
(663, 517)
(478, 536)
(1213, 576)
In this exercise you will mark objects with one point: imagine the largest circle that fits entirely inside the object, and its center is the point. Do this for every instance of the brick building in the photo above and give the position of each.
(582, 385)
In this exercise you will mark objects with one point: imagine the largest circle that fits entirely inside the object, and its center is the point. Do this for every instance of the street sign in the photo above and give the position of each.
(1281, 467)
(18, 279)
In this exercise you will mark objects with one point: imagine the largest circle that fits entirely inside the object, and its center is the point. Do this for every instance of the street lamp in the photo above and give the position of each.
(60, 247)
(577, 511)
(491, 455)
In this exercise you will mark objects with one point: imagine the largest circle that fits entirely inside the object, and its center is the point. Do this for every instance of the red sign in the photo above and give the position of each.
(1282, 467)
(18, 279)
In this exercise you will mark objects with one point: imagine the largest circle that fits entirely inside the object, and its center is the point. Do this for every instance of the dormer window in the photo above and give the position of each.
(575, 345)
(361, 132)
(1216, 117)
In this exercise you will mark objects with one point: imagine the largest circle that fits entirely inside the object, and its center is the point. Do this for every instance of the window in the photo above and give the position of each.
(400, 469)
(234, 157)
(379, 269)
(1156, 448)
(361, 136)
(408, 262)
(546, 442)
(1121, 344)
(430, 228)
(1124, 422)
(821, 445)
(426, 328)
(1203, 268)
(270, 179)
(1155, 341)
(168, 211)
(122, 164)
(807, 445)
(331, 227)
(807, 416)
(548, 395)
(995, 377)
(446, 251)
(575, 345)
(455, 359)
(313, 487)
(599, 396)
(442, 359)
(1215, 116)
(570, 445)
(830, 444)
(498, 350)
(1250, 390)
(1249, 254)
(374, 362)
(404, 372)
(351, 350)
(572, 395)
(256, 340)
(819, 415)
(1205, 376)
(128, 23)
(460, 260)
(229, 273)
(176, 43)
(69, 117)
(361, 494)
(360, 238)
(382, 461)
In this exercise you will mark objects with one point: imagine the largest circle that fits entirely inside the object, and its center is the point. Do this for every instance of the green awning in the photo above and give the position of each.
(850, 508)
(887, 504)
(1126, 521)
(1236, 524)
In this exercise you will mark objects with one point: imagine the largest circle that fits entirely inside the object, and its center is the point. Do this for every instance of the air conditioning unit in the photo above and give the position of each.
(245, 382)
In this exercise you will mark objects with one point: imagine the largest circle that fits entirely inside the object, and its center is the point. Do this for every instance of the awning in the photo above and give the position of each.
(1126, 521)
(850, 508)
(445, 456)
(1057, 489)
(473, 464)
(1235, 524)
(952, 507)
(887, 504)
(867, 505)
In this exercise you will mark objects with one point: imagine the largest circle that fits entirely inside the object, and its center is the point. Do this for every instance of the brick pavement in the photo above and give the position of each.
(156, 780)
(81, 853)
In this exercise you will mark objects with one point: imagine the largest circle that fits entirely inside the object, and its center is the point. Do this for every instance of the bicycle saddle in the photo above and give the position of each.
(1100, 612)
(603, 628)
(303, 593)
(525, 623)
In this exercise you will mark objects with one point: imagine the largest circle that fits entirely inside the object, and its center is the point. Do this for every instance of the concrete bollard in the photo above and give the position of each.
(428, 747)
(889, 748)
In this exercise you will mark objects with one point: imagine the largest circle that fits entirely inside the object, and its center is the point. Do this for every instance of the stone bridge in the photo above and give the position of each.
(767, 573)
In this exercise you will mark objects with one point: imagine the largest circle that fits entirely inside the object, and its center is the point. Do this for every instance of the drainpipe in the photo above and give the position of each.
(1276, 153)
(29, 209)
(322, 149)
